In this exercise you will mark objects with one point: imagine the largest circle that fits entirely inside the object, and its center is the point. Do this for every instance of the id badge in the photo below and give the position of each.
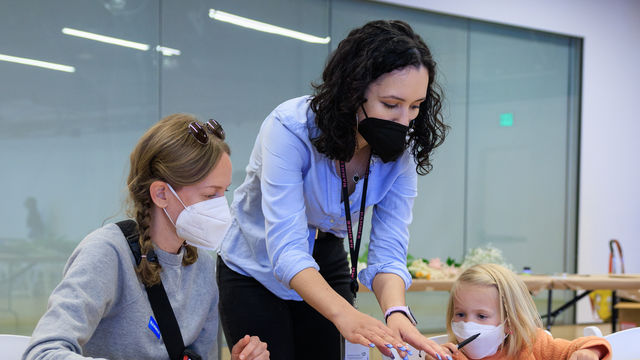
(355, 351)
(417, 355)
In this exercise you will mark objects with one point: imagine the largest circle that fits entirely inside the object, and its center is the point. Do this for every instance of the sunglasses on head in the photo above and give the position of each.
(212, 127)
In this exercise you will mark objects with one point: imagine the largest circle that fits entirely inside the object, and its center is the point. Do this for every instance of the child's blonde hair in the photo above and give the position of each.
(516, 305)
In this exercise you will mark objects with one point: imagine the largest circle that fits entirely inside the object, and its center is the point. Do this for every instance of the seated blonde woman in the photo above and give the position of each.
(179, 172)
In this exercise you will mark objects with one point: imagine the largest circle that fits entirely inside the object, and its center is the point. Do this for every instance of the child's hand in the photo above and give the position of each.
(584, 354)
(452, 348)
(250, 348)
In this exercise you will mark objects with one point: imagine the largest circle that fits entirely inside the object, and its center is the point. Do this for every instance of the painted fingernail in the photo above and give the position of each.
(406, 357)
(410, 352)
(449, 357)
(438, 355)
(402, 348)
(389, 346)
(372, 345)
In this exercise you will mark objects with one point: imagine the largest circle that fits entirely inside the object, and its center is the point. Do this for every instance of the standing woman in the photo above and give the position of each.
(361, 139)
(179, 173)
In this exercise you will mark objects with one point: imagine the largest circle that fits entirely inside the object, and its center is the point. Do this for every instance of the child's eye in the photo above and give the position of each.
(459, 315)
(482, 316)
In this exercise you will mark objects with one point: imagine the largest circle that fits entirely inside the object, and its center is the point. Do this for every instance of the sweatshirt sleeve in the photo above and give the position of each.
(547, 347)
(76, 306)
(207, 342)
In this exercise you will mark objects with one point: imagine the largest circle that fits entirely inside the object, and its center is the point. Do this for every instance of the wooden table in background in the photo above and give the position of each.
(626, 285)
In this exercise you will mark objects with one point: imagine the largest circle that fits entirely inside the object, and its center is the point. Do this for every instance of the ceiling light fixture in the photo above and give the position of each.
(268, 28)
(38, 63)
(167, 51)
(105, 39)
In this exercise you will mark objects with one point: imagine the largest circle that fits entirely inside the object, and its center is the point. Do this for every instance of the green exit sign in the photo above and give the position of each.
(506, 119)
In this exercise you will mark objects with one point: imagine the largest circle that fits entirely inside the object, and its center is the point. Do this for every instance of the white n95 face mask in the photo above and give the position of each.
(487, 344)
(203, 224)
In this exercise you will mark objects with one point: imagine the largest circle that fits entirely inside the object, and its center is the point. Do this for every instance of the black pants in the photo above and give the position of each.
(293, 330)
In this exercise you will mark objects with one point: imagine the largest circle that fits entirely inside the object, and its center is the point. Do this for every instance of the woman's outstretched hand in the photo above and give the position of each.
(404, 329)
(359, 328)
(250, 348)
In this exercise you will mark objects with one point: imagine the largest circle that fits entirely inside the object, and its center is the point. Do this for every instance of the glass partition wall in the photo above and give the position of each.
(506, 175)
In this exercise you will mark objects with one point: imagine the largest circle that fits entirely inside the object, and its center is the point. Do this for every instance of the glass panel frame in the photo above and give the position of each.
(65, 137)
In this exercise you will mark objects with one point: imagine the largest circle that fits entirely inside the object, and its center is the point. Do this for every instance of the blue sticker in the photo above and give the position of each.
(153, 325)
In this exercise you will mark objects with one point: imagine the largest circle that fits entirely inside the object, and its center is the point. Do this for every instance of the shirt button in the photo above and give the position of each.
(350, 202)
(332, 221)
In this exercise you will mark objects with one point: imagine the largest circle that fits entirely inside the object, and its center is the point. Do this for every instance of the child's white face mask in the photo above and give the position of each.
(487, 344)
(203, 224)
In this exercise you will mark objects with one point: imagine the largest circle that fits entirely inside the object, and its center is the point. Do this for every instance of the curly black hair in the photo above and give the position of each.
(368, 52)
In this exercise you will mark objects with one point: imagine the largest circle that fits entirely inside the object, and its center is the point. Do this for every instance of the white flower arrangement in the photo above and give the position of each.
(435, 269)
(484, 255)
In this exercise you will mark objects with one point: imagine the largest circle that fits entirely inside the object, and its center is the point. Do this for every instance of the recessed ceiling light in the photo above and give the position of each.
(38, 63)
(264, 27)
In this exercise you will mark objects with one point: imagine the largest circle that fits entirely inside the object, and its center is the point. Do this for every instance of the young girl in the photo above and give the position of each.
(490, 300)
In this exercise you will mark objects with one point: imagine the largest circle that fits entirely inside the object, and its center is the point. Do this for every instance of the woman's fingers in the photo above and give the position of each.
(420, 342)
(381, 343)
(436, 351)
(254, 349)
(237, 348)
(385, 342)
(263, 356)
(363, 329)
(250, 348)
(452, 348)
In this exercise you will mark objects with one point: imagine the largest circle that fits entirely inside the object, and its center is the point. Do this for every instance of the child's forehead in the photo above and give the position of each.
(477, 288)
(472, 296)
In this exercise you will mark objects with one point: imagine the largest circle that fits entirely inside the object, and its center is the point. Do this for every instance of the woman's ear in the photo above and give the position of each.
(158, 191)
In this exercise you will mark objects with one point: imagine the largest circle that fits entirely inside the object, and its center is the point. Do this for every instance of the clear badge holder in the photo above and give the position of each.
(352, 351)
(355, 351)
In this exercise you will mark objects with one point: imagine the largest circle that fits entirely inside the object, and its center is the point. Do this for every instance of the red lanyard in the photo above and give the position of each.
(354, 249)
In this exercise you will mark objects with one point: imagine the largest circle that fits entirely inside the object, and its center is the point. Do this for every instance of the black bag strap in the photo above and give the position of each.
(169, 328)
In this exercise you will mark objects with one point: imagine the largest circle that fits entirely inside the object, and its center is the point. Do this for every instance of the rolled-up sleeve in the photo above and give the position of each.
(390, 229)
(284, 157)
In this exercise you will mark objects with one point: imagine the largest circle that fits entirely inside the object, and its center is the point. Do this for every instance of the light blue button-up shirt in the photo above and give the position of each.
(291, 189)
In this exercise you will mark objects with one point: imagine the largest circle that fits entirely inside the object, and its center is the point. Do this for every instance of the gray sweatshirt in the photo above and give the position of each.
(100, 308)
